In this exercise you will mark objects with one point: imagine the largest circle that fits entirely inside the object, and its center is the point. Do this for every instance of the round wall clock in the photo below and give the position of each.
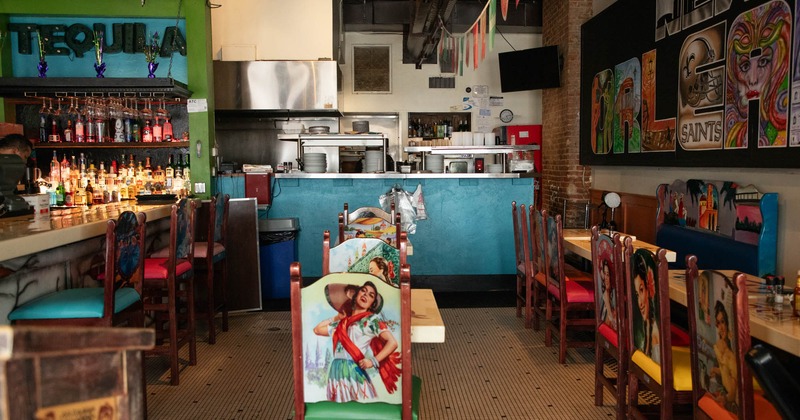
(506, 115)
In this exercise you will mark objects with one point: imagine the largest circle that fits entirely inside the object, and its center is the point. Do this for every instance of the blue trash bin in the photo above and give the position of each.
(278, 249)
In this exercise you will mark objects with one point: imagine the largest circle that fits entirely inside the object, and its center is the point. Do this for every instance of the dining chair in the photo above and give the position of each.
(575, 299)
(371, 222)
(337, 386)
(365, 255)
(611, 339)
(719, 322)
(524, 262)
(655, 364)
(538, 258)
(118, 302)
(779, 385)
(169, 290)
(210, 257)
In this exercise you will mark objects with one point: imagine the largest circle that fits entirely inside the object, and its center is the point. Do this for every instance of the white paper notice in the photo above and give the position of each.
(495, 101)
(197, 105)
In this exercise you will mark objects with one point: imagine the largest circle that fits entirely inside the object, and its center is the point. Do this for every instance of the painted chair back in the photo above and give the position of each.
(608, 271)
(369, 222)
(124, 257)
(365, 255)
(330, 339)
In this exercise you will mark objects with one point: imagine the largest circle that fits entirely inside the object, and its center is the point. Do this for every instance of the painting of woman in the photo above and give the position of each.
(646, 322)
(362, 341)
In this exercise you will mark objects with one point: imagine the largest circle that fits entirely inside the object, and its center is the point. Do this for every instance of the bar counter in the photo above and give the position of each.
(27, 235)
(39, 255)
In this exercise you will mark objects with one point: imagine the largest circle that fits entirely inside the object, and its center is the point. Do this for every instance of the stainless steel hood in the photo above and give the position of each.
(276, 88)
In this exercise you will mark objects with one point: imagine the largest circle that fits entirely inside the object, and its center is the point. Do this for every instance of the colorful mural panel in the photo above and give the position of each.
(602, 111)
(627, 88)
(657, 135)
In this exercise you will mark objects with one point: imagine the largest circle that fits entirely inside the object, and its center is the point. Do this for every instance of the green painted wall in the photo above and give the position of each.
(198, 38)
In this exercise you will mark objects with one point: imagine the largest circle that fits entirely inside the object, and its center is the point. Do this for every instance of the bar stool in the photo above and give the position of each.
(168, 292)
(118, 302)
(208, 255)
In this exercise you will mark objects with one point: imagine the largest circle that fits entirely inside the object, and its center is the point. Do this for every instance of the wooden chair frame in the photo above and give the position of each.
(215, 303)
(539, 260)
(739, 324)
(524, 266)
(161, 296)
(296, 283)
(636, 375)
(132, 315)
(565, 308)
(603, 346)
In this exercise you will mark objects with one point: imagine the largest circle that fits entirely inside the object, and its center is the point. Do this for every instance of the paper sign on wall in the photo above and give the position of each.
(197, 105)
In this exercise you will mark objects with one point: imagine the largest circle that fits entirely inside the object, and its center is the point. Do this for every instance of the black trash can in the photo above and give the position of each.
(278, 249)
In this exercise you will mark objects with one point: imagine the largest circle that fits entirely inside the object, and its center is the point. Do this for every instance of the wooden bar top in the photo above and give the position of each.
(27, 235)
(427, 325)
(772, 324)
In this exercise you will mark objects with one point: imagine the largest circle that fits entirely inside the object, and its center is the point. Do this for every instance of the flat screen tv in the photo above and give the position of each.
(534, 68)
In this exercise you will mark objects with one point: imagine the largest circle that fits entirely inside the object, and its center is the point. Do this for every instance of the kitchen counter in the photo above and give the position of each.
(398, 175)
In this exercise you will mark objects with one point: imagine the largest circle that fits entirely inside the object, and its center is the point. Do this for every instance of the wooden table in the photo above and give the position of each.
(579, 241)
(771, 324)
(426, 321)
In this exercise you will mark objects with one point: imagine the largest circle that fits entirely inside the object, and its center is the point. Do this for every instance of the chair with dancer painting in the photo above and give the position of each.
(365, 255)
(719, 322)
(611, 337)
(351, 343)
(369, 222)
(656, 362)
(574, 298)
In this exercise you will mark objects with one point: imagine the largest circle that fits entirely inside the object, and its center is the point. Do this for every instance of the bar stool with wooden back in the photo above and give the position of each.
(211, 255)
(169, 290)
(574, 297)
(719, 322)
(611, 339)
(118, 302)
(525, 269)
(656, 364)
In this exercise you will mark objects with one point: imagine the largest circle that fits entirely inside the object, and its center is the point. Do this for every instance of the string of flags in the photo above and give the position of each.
(455, 50)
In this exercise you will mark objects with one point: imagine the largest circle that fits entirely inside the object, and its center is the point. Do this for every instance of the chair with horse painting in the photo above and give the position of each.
(369, 222)
(351, 341)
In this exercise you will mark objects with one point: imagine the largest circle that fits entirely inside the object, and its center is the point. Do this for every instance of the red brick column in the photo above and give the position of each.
(563, 176)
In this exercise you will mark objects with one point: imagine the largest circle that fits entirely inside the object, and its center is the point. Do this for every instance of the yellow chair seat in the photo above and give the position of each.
(681, 367)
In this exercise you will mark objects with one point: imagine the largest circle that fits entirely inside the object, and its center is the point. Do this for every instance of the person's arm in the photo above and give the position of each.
(322, 327)
(389, 347)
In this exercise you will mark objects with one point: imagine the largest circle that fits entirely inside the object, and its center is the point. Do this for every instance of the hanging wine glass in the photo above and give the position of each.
(55, 129)
(44, 119)
(128, 119)
(90, 126)
(147, 118)
(161, 121)
(116, 115)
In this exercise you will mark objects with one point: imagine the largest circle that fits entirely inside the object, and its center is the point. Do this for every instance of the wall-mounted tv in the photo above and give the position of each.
(534, 68)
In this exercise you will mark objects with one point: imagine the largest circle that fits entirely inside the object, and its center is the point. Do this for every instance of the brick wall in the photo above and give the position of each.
(563, 178)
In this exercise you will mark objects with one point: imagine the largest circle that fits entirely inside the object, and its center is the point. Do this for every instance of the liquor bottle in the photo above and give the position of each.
(186, 169)
(80, 135)
(55, 130)
(69, 194)
(179, 168)
(168, 135)
(80, 197)
(169, 173)
(158, 132)
(148, 169)
(64, 169)
(43, 123)
(60, 194)
(135, 132)
(69, 133)
(147, 132)
(131, 167)
(796, 303)
(82, 166)
(55, 170)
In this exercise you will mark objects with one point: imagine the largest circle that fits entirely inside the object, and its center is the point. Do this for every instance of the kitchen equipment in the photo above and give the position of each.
(478, 165)
(319, 129)
(259, 185)
(361, 126)
(458, 167)
(434, 163)
(522, 135)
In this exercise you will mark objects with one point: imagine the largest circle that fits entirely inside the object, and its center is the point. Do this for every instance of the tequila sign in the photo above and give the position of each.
(77, 39)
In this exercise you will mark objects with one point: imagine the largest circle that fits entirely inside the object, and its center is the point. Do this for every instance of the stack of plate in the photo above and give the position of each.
(434, 163)
(373, 161)
(314, 162)
(494, 168)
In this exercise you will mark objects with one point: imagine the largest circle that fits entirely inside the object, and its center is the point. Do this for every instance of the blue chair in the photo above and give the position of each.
(118, 302)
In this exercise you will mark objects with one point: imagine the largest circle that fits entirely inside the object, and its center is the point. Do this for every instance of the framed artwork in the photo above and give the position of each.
(372, 70)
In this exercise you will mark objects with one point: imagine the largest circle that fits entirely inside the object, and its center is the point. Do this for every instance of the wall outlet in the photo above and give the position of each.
(200, 187)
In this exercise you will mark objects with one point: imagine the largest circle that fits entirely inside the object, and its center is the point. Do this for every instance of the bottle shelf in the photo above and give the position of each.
(161, 87)
(136, 145)
(469, 150)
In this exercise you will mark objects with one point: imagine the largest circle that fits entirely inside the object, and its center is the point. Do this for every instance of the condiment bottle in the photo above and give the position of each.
(796, 303)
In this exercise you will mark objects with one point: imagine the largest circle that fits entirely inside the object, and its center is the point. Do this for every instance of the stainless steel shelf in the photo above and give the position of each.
(470, 150)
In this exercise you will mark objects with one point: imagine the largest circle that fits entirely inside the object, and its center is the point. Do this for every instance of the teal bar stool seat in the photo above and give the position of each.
(118, 302)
